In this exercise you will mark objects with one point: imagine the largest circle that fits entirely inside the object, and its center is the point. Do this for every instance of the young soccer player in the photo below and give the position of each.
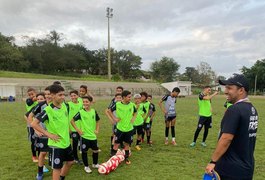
(118, 98)
(139, 120)
(146, 117)
(89, 128)
(31, 102)
(74, 106)
(41, 139)
(170, 113)
(125, 116)
(152, 112)
(205, 114)
(55, 117)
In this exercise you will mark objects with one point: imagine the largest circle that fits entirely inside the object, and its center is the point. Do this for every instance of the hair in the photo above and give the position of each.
(144, 94)
(74, 91)
(149, 95)
(54, 89)
(47, 88)
(84, 87)
(118, 94)
(31, 89)
(206, 87)
(119, 87)
(90, 98)
(176, 89)
(125, 93)
(57, 83)
(136, 96)
(40, 94)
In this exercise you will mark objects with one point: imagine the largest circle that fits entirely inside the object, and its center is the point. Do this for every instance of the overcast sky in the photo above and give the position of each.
(227, 34)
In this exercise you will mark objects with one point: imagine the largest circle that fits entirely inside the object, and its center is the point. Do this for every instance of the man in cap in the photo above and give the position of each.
(233, 157)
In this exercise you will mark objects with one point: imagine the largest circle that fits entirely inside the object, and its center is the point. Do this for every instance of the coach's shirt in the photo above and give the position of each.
(57, 122)
(170, 105)
(87, 121)
(241, 120)
(125, 113)
(204, 106)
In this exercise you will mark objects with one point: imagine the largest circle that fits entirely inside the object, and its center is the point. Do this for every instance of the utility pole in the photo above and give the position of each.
(255, 90)
(109, 15)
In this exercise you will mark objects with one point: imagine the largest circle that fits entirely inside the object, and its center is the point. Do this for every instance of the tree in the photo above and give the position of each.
(55, 37)
(190, 74)
(206, 75)
(258, 69)
(164, 70)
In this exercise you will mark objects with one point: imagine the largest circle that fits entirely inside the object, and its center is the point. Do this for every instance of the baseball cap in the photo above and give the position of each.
(238, 80)
(137, 96)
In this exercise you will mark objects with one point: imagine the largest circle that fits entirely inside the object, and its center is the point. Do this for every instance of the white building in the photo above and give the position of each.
(184, 86)
(7, 89)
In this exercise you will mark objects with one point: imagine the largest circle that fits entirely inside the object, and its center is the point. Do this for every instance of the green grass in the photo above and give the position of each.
(157, 162)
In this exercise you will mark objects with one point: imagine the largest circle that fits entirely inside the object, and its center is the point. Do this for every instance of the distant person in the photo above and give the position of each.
(57, 83)
(152, 112)
(233, 157)
(146, 117)
(88, 129)
(83, 91)
(55, 117)
(170, 113)
(205, 114)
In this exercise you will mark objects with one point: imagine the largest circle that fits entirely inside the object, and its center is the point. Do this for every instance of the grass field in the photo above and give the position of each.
(157, 162)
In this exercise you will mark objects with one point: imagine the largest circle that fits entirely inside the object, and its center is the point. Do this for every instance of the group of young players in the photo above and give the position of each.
(50, 120)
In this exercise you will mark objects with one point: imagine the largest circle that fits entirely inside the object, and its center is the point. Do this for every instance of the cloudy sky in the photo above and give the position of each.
(227, 34)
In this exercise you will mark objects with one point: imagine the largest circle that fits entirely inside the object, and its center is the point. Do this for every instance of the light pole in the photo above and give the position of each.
(109, 15)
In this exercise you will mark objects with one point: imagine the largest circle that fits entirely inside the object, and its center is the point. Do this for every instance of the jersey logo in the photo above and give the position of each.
(57, 161)
(83, 146)
(253, 110)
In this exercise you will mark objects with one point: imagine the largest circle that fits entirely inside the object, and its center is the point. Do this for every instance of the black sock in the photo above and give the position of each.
(138, 142)
(40, 170)
(196, 134)
(143, 135)
(62, 177)
(95, 158)
(84, 158)
(126, 154)
(75, 144)
(148, 139)
(173, 131)
(33, 150)
(166, 131)
(111, 139)
(205, 134)
(113, 152)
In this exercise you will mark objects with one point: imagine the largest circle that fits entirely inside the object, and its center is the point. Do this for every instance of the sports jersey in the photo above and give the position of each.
(87, 121)
(57, 122)
(152, 109)
(170, 105)
(227, 104)
(146, 114)
(30, 104)
(139, 120)
(73, 110)
(112, 102)
(38, 109)
(241, 120)
(204, 106)
(125, 113)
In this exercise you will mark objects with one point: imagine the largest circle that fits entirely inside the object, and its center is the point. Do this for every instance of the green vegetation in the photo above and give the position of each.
(157, 162)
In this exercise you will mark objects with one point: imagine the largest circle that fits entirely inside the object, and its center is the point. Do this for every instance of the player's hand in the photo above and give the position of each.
(96, 131)
(209, 168)
(117, 119)
(54, 137)
(80, 132)
(165, 112)
(39, 133)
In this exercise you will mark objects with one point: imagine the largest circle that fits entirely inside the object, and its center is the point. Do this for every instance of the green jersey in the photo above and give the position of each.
(204, 106)
(139, 120)
(57, 122)
(73, 110)
(30, 104)
(125, 113)
(147, 107)
(88, 121)
(227, 104)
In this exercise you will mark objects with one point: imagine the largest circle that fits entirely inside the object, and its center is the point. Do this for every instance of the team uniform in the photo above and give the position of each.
(138, 123)
(147, 125)
(73, 109)
(87, 122)
(114, 126)
(227, 104)
(152, 109)
(237, 163)
(170, 107)
(57, 122)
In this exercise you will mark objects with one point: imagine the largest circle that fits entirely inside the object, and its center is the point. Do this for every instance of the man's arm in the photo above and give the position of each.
(161, 105)
(222, 146)
(209, 97)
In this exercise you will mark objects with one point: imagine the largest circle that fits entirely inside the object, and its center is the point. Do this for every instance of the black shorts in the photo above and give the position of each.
(58, 155)
(171, 118)
(205, 121)
(31, 134)
(86, 144)
(147, 126)
(41, 144)
(151, 122)
(138, 129)
(114, 128)
(75, 136)
(121, 137)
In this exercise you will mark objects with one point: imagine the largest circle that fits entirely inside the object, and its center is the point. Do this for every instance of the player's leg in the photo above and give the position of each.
(197, 132)
(167, 123)
(207, 125)
(128, 136)
(85, 146)
(173, 122)
(69, 161)
(75, 138)
(150, 131)
(118, 141)
(94, 148)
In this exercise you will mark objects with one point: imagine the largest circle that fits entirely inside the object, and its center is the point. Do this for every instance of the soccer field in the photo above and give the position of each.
(157, 162)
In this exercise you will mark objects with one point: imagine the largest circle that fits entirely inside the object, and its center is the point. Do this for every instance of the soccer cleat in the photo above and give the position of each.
(137, 147)
(127, 161)
(87, 169)
(35, 159)
(96, 166)
(192, 144)
(45, 170)
(39, 177)
(203, 144)
(166, 142)
(174, 143)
